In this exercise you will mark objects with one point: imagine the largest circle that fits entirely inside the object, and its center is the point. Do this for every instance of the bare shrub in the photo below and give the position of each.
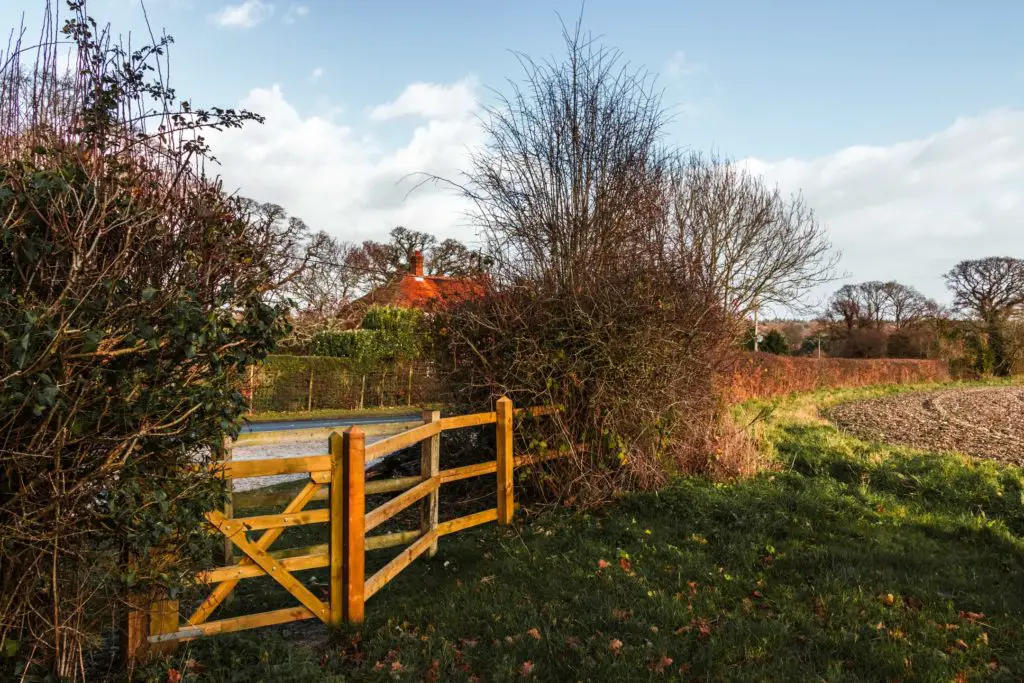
(589, 308)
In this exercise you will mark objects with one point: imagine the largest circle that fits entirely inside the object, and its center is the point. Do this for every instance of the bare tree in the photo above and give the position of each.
(333, 277)
(747, 244)
(590, 309)
(906, 306)
(993, 289)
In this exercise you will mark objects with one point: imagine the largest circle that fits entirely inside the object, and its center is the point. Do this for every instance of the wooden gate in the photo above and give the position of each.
(339, 477)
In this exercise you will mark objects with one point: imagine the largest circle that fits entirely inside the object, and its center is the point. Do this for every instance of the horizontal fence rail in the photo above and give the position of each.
(339, 478)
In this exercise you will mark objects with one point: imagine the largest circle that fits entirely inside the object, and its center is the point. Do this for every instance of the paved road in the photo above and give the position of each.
(293, 448)
(321, 424)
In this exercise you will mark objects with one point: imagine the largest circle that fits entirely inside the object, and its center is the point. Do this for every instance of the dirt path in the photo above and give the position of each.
(986, 422)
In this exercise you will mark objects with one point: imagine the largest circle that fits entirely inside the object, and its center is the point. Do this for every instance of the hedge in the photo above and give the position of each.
(761, 375)
(287, 383)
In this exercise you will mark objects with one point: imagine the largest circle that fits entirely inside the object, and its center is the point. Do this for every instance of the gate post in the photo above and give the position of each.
(348, 523)
(503, 429)
(430, 465)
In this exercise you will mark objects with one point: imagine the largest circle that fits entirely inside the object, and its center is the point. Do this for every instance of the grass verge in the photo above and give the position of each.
(854, 561)
(333, 414)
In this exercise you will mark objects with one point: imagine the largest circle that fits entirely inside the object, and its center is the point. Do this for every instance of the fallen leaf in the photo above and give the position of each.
(961, 644)
(626, 565)
(534, 633)
(888, 599)
(972, 616)
(173, 676)
(983, 638)
(704, 627)
(693, 587)
(615, 645)
(469, 643)
(660, 665)
(912, 602)
(527, 668)
(603, 564)
(622, 614)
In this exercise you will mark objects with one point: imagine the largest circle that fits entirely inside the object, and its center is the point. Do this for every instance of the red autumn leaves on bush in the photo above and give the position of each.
(762, 375)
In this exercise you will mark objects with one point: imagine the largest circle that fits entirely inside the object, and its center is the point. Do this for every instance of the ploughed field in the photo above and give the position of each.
(986, 422)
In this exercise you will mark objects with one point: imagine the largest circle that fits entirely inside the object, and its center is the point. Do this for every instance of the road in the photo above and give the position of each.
(322, 424)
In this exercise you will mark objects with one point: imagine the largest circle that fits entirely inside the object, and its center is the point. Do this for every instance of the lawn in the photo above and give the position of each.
(853, 561)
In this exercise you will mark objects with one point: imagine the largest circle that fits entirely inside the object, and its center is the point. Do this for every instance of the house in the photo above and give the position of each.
(424, 292)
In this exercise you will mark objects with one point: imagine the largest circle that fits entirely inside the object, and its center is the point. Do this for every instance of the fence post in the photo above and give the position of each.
(229, 504)
(430, 466)
(348, 520)
(163, 618)
(309, 394)
(362, 392)
(503, 429)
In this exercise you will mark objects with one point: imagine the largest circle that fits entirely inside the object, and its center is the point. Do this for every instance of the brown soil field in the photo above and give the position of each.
(985, 422)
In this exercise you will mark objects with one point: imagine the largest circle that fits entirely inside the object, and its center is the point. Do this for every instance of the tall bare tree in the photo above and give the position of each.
(992, 289)
(746, 243)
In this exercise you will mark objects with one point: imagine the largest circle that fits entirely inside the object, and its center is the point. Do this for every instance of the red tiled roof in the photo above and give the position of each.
(426, 291)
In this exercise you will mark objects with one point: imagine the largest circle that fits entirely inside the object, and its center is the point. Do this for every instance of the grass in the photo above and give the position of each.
(331, 413)
(854, 561)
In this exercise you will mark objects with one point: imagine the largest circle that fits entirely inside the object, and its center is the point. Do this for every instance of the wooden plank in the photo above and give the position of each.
(459, 421)
(398, 563)
(537, 411)
(320, 434)
(505, 463)
(299, 559)
(258, 498)
(527, 460)
(313, 557)
(353, 522)
(381, 541)
(284, 519)
(212, 628)
(430, 466)
(391, 508)
(377, 486)
(460, 523)
(467, 471)
(234, 530)
(337, 536)
(219, 593)
(240, 469)
(403, 440)
(163, 618)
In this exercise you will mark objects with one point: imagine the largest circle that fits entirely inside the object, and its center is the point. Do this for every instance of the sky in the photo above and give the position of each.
(902, 124)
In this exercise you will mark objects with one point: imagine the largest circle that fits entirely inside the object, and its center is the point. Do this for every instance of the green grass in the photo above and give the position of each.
(331, 413)
(854, 562)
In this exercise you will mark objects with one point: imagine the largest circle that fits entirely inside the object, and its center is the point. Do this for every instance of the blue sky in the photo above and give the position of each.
(903, 123)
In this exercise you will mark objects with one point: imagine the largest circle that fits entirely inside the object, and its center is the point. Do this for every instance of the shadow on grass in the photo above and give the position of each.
(856, 562)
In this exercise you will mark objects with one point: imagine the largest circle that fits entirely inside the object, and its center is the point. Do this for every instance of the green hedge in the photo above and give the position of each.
(388, 335)
(289, 383)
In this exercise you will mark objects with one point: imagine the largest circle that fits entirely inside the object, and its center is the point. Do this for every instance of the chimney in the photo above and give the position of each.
(417, 264)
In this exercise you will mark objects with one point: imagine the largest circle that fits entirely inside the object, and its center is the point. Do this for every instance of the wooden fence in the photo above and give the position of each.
(342, 472)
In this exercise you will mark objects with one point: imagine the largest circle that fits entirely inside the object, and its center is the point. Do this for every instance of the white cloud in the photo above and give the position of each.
(679, 65)
(295, 12)
(345, 181)
(430, 100)
(911, 210)
(316, 74)
(244, 15)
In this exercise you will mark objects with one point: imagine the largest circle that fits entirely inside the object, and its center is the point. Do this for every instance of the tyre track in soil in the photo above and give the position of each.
(985, 422)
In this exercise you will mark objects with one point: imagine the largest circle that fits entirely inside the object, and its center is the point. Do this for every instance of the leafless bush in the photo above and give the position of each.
(590, 309)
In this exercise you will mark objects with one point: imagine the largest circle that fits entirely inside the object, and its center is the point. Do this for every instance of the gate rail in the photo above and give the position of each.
(338, 476)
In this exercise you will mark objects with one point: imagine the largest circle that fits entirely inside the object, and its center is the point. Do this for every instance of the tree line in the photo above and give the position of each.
(981, 329)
